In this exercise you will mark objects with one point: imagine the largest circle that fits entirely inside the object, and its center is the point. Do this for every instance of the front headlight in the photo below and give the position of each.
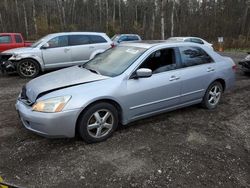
(51, 105)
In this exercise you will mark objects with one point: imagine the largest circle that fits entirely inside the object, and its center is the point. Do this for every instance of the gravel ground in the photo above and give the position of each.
(190, 147)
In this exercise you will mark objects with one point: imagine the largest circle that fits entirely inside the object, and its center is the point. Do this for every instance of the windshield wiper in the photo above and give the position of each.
(92, 70)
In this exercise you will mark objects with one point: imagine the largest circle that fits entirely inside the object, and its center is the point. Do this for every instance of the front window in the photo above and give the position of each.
(5, 39)
(114, 61)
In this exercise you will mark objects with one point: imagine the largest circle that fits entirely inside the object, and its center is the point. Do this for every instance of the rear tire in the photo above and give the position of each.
(212, 96)
(28, 68)
(98, 122)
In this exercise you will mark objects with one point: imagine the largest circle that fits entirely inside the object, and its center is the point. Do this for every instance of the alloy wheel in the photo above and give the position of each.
(100, 123)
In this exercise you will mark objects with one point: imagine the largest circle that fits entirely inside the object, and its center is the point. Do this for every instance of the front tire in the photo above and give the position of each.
(98, 122)
(212, 96)
(28, 68)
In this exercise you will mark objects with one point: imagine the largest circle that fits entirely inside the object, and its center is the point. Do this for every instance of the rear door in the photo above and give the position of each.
(19, 40)
(58, 54)
(198, 71)
(81, 48)
(98, 43)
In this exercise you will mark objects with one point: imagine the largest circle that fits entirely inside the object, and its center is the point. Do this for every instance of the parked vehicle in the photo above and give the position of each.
(124, 84)
(245, 64)
(12, 40)
(191, 39)
(55, 51)
(119, 38)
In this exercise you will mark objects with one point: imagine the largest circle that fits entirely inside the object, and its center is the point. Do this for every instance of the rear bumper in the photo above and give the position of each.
(52, 125)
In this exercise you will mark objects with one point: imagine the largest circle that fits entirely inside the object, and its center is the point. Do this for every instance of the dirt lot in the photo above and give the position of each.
(191, 147)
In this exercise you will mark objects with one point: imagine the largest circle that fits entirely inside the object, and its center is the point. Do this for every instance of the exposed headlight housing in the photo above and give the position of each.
(51, 105)
(15, 57)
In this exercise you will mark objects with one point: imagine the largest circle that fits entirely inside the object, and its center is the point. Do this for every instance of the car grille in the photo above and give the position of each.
(4, 57)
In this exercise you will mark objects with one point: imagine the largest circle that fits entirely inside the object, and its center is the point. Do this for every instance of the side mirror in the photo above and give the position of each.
(143, 73)
(45, 46)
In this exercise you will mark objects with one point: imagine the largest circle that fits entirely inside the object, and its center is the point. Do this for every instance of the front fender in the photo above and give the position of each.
(21, 57)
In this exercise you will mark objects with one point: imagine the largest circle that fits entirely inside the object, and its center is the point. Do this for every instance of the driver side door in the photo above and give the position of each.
(160, 92)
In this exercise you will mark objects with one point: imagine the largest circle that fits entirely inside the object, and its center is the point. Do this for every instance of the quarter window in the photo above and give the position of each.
(60, 41)
(161, 61)
(18, 39)
(192, 56)
(5, 39)
(79, 40)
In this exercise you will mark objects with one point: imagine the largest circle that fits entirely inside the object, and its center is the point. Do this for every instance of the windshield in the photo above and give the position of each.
(114, 61)
(34, 45)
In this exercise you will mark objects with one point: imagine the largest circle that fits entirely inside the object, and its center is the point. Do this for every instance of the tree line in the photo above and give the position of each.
(152, 19)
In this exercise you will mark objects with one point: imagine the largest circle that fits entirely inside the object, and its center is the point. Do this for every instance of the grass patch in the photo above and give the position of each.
(244, 50)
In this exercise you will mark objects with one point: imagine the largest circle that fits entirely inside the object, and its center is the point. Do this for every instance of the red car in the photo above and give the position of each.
(12, 40)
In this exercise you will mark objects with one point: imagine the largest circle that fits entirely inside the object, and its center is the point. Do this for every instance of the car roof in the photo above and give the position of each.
(10, 33)
(183, 38)
(75, 33)
(164, 43)
(129, 34)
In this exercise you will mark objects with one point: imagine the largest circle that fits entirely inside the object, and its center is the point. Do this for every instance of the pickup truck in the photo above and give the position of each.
(12, 40)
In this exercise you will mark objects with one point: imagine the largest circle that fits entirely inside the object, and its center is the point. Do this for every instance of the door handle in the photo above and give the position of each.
(210, 69)
(91, 47)
(66, 49)
(173, 78)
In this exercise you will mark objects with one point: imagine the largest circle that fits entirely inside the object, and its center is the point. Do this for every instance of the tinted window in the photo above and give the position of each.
(194, 56)
(97, 39)
(18, 39)
(123, 38)
(5, 39)
(78, 40)
(131, 38)
(161, 61)
(58, 42)
(199, 41)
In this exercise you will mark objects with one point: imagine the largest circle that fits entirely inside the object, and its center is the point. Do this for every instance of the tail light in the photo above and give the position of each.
(234, 67)
(112, 45)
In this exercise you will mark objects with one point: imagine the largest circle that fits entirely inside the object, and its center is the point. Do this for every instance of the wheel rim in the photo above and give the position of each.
(100, 123)
(214, 95)
(27, 68)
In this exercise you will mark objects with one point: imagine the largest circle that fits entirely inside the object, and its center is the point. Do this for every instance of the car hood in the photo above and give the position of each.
(58, 80)
(18, 50)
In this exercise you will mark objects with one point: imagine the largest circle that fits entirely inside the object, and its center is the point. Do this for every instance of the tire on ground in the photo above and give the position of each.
(28, 68)
(89, 115)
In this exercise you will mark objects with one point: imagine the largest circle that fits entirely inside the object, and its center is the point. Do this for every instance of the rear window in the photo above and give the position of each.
(132, 38)
(79, 40)
(97, 39)
(192, 56)
(18, 39)
(5, 39)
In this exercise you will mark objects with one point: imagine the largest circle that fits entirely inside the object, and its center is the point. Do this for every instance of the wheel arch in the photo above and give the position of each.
(33, 59)
(222, 81)
(110, 101)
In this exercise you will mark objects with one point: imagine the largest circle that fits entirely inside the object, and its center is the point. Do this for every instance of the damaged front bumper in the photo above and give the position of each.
(5, 64)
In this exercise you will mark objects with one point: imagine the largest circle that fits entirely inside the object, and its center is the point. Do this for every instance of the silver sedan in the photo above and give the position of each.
(129, 82)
